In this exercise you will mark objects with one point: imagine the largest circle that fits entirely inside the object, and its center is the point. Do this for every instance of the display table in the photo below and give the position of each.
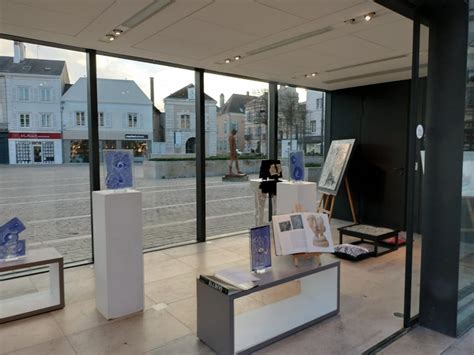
(370, 235)
(291, 193)
(118, 252)
(227, 333)
(37, 302)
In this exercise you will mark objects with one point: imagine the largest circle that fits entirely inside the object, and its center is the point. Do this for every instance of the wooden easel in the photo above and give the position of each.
(317, 256)
(326, 205)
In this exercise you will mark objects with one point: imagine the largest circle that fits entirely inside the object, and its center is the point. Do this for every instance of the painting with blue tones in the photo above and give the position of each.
(119, 168)
(260, 248)
(10, 245)
(297, 165)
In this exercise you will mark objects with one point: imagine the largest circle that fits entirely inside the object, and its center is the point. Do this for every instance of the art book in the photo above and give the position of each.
(307, 232)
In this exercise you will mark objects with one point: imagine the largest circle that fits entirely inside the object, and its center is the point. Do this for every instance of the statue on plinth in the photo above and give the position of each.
(233, 155)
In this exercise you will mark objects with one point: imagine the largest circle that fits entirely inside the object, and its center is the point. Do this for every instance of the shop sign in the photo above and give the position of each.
(24, 135)
(136, 136)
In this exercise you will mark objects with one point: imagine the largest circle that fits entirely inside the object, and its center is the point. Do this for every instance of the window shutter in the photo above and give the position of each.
(125, 120)
(140, 121)
(108, 119)
(34, 94)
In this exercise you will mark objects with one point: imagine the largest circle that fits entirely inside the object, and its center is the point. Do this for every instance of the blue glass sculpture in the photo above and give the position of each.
(10, 245)
(119, 169)
(297, 165)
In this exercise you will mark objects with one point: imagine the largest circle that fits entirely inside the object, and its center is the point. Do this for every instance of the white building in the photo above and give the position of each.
(125, 119)
(30, 94)
(314, 117)
(180, 126)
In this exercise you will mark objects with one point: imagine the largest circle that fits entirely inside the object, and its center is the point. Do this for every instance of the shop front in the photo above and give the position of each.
(34, 148)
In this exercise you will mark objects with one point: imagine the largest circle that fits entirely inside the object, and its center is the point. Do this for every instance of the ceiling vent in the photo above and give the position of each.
(291, 40)
(145, 13)
(367, 63)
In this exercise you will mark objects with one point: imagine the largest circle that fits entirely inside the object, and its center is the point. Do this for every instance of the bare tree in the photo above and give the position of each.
(291, 116)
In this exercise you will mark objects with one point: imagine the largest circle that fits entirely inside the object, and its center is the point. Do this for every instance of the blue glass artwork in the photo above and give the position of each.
(260, 248)
(10, 245)
(119, 169)
(297, 165)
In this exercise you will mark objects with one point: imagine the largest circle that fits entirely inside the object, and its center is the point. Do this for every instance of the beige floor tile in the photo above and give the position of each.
(154, 257)
(211, 258)
(190, 249)
(28, 332)
(188, 345)
(54, 347)
(186, 312)
(137, 334)
(79, 290)
(172, 289)
(16, 287)
(166, 269)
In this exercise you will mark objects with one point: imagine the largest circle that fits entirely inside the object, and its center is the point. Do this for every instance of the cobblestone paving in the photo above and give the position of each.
(54, 204)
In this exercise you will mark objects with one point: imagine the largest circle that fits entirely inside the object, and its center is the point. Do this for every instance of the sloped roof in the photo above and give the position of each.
(110, 91)
(183, 94)
(236, 103)
(32, 66)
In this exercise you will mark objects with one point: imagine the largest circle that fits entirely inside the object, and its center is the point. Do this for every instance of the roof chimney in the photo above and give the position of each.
(19, 52)
(152, 90)
(221, 100)
(248, 93)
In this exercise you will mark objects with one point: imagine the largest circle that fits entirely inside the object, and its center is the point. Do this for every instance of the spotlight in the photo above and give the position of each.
(369, 16)
(306, 75)
(227, 61)
(110, 37)
(117, 31)
(313, 74)
(237, 57)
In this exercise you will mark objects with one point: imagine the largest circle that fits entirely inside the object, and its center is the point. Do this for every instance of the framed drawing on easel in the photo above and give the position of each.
(335, 166)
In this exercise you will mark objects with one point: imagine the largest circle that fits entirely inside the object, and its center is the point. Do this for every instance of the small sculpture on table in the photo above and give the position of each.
(297, 166)
(11, 247)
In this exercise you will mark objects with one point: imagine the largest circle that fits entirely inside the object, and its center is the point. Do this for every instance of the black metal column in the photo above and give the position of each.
(200, 157)
(273, 121)
(441, 214)
(411, 159)
(93, 128)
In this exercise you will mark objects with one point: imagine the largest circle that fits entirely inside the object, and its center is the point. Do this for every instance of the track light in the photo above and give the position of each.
(237, 57)
(110, 37)
(313, 74)
(227, 61)
(369, 16)
(117, 31)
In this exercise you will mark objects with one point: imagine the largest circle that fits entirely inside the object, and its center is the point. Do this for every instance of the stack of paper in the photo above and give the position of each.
(241, 279)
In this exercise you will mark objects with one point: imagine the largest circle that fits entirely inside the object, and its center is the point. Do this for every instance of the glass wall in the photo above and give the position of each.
(150, 110)
(300, 125)
(237, 114)
(466, 257)
(37, 182)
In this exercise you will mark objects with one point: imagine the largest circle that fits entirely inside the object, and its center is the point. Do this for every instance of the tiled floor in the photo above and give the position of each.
(371, 292)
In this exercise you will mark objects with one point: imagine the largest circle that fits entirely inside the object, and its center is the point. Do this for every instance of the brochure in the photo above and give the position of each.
(307, 232)
(243, 280)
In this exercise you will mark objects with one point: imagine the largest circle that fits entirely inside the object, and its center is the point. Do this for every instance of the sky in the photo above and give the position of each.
(167, 79)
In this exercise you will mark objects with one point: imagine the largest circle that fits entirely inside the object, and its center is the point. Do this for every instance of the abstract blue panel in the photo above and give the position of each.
(10, 245)
(260, 248)
(297, 165)
(119, 168)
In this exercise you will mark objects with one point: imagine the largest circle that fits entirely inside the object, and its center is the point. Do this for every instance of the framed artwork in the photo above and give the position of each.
(297, 165)
(335, 166)
(260, 248)
(118, 168)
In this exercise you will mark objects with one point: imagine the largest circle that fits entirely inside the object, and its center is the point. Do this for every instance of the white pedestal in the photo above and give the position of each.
(291, 193)
(118, 252)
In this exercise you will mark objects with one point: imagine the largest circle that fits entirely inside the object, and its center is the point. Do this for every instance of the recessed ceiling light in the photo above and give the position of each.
(237, 57)
(313, 74)
(369, 16)
(110, 37)
(227, 61)
(117, 31)
(306, 75)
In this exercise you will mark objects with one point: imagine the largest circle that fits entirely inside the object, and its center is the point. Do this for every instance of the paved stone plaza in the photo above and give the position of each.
(54, 203)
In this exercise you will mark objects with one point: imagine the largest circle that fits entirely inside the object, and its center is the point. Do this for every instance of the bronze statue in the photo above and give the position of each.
(233, 154)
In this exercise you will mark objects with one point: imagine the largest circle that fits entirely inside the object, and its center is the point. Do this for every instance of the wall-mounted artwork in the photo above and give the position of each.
(119, 168)
(297, 165)
(11, 247)
(335, 165)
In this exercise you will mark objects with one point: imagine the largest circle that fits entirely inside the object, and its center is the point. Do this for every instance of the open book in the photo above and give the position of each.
(307, 232)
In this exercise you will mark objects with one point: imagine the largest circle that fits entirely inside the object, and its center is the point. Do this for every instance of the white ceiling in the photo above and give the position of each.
(202, 33)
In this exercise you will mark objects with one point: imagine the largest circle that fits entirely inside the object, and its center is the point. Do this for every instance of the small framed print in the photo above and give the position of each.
(260, 249)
